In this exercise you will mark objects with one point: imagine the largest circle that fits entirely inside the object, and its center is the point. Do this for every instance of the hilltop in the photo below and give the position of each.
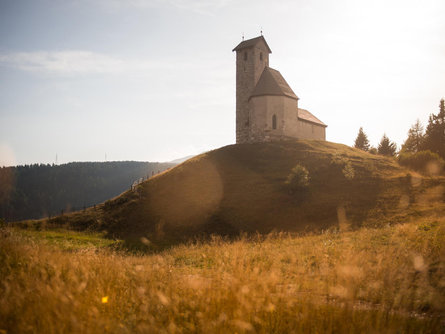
(241, 188)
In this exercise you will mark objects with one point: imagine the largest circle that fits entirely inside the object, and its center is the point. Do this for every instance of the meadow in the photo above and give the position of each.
(369, 280)
(364, 251)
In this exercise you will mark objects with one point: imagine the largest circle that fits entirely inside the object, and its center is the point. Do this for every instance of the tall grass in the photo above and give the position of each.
(388, 280)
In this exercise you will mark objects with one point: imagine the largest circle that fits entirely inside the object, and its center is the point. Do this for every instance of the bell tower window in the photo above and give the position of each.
(261, 56)
(274, 122)
(245, 56)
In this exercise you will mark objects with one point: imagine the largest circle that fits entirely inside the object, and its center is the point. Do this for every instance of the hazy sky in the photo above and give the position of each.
(154, 80)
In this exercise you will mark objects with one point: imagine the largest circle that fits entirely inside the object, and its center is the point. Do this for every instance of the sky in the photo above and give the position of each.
(154, 80)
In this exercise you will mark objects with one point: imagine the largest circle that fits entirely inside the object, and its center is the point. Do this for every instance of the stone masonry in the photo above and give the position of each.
(250, 63)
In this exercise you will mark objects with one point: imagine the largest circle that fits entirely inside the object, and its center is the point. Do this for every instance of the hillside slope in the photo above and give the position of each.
(241, 188)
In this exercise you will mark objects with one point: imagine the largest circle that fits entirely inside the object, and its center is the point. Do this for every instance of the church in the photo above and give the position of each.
(266, 106)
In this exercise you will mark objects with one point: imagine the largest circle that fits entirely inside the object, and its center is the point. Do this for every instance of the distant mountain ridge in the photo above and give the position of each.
(37, 191)
(181, 160)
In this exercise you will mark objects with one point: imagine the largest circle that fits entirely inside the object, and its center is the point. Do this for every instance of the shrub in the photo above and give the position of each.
(373, 150)
(348, 171)
(345, 165)
(298, 178)
(424, 161)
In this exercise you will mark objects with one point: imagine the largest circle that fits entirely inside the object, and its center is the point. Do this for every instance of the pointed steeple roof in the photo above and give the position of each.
(271, 82)
(251, 43)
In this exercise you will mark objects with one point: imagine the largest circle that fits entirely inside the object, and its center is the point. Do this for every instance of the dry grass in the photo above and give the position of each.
(388, 280)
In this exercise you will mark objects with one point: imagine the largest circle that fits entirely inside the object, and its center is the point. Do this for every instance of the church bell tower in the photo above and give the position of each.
(252, 56)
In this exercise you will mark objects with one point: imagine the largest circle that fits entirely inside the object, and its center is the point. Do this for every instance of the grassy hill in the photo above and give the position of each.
(241, 188)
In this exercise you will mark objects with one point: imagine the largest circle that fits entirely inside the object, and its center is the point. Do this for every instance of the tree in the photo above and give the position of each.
(362, 141)
(298, 179)
(414, 142)
(435, 132)
(387, 147)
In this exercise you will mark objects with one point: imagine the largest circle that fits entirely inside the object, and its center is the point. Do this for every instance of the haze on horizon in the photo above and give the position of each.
(154, 80)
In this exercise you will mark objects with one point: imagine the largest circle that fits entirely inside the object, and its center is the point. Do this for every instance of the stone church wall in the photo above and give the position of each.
(262, 109)
(285, 110)
(308, 130)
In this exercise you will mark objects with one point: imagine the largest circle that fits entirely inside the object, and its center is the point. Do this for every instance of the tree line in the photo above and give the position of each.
(419, 139)
(43, 190)
(422, 145)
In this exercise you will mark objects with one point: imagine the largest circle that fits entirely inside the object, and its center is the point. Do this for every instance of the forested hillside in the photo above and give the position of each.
(36, 191)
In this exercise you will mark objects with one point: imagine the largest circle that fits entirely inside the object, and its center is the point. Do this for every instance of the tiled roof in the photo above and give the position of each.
(271, 82)
(251, 43)
(305, 115)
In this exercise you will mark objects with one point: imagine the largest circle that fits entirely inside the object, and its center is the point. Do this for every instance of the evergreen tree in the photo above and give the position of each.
(362, 141)
(387, 147)
(414, 142)
(435, 132)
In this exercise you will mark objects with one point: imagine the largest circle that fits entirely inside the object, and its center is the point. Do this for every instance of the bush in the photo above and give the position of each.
(344, 164)
(298, 178)
(424, 161)
(373, 150)
(348, 171)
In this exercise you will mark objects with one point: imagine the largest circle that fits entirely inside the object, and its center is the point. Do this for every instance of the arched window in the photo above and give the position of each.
(274, 122)
(261, 56)
(245, 56)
